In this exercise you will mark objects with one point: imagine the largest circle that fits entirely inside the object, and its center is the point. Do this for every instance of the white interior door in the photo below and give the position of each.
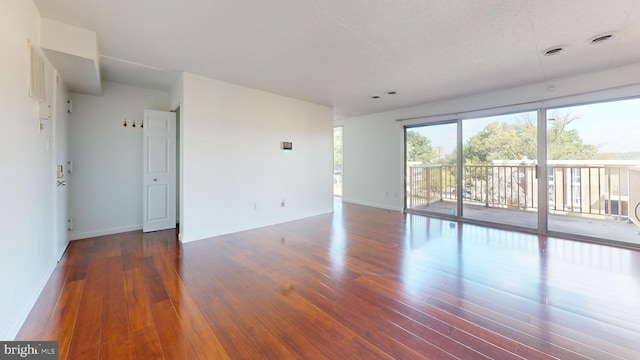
(60, 148)
(159, 177)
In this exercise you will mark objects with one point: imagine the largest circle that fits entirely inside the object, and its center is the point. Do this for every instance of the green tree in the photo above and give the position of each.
(566, 144)
(419, 148)
(503, 141)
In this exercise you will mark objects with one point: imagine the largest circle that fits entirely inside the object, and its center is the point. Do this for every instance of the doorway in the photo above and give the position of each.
(63, 167)
(337, 161)
(177, 112)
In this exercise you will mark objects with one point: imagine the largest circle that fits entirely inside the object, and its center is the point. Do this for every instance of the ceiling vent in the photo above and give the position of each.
(554, 51)
(600, 39)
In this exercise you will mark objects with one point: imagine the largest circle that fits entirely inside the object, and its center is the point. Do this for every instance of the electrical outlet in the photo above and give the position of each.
(256, 207)
(282, 203)
(70, 224)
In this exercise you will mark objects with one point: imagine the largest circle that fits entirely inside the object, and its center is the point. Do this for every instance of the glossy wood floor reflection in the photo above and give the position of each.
(362, 283)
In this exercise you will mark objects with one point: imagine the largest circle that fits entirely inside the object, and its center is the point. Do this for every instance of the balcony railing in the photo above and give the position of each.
(599, 190)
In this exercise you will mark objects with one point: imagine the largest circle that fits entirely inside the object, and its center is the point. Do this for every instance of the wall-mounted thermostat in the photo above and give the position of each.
(287, 145)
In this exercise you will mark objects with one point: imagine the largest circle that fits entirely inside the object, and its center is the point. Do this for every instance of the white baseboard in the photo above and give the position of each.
(214, 233)
(28, 305)
(376, 205)
(90, 234)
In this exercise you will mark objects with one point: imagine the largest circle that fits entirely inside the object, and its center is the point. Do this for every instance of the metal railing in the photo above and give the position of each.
(587, 190)
(595, 190)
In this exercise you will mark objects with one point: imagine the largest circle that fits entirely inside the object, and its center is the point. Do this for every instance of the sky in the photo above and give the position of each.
(611, 126)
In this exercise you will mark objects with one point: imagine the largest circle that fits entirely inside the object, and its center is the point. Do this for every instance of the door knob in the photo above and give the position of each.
(155, 179)
(62, 183)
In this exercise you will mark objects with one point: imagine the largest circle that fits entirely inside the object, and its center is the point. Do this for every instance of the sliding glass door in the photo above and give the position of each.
(587, 186)
(593, 157)
(499, 169)
(430, 153)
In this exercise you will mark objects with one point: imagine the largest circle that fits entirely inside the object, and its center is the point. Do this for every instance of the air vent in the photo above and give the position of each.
(601, 39)
(553, 51)
(36, 83)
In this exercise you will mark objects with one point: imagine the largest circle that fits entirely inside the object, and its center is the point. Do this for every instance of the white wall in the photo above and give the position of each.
(68, 39)
(106, 184)
(27, 248)
(231, 158)
(372, 151)
(175, 93)
(373, 144)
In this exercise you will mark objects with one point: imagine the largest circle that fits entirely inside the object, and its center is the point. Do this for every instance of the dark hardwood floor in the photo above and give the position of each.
(362, 283)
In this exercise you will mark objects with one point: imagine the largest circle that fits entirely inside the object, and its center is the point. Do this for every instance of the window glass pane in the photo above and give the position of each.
(499, 169)
(430, 152)
(594, 154)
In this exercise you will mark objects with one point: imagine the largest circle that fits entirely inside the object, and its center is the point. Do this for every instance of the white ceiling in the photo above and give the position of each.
(340, 52)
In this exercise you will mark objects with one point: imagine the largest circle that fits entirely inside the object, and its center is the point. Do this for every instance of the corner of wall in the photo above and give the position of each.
(176, 92)
(28, 194)
(234, 172)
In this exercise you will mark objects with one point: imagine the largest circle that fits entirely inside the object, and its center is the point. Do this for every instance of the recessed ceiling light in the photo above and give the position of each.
(375, 97)
(554, 51)
(391, 92)
(600, 39)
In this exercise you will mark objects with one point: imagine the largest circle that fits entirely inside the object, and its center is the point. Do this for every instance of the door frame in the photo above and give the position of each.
(60, 157)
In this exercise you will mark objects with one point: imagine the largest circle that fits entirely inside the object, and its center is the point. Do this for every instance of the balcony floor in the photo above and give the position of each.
(585, 226)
